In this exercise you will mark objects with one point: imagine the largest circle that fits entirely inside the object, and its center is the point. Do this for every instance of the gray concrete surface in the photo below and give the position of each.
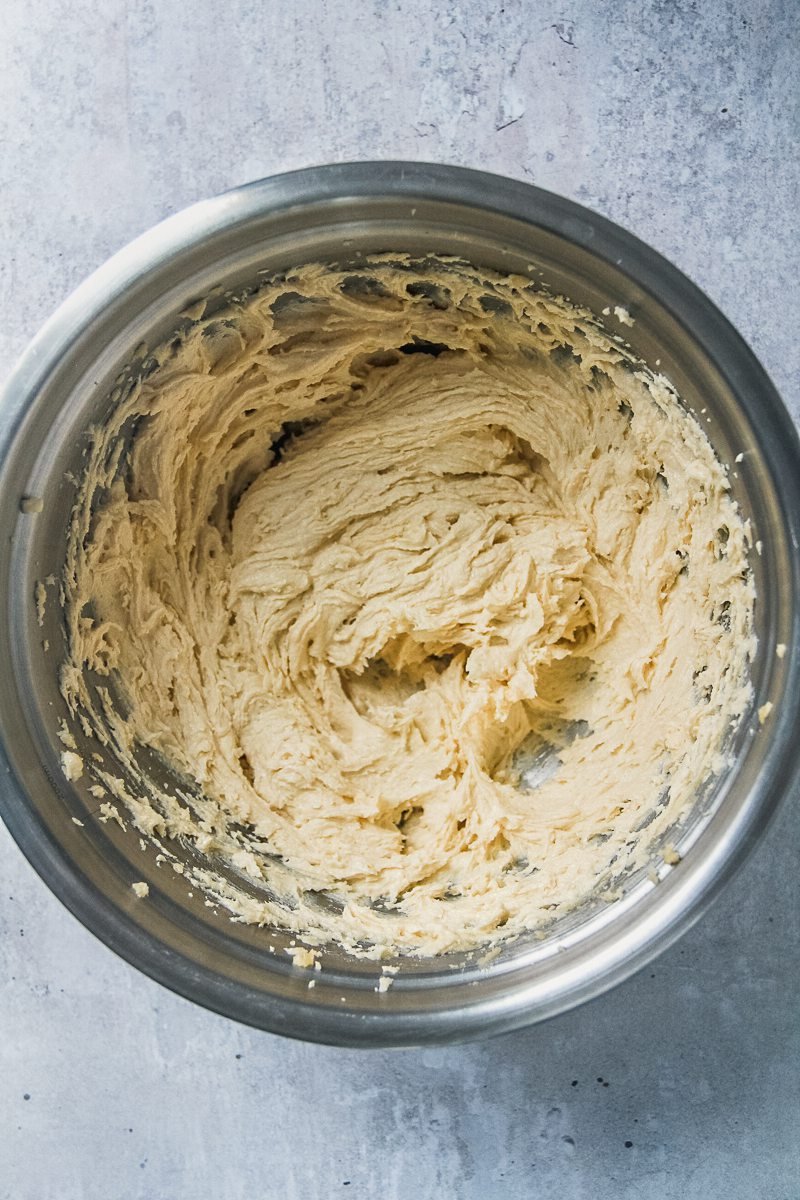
(681, 121)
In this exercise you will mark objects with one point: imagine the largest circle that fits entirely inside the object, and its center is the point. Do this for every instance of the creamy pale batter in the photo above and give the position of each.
(428, 593)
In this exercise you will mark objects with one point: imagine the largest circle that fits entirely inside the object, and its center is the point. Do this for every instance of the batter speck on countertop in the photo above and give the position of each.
(430, 599)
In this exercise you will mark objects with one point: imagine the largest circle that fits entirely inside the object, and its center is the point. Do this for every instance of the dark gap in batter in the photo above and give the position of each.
(290, 430)
(519, 865)
(247, 768)
(289, 300)
(232, 503)
(213, 328)
(149, 365)
(723, 534)
(565, 354)
(598, 839)
(128, 433)
(367, 288)
(408, 816)
(523, 452)
(578, 636)
(493, 304)
(421, 346)
(724, 617)
(439, 297)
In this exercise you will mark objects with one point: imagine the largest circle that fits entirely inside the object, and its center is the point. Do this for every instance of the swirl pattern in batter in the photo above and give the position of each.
(369, 547)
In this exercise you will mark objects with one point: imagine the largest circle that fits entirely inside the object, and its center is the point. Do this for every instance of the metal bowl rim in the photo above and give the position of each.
(679, 901)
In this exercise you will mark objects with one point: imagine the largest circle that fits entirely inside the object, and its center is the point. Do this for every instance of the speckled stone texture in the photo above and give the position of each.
(679, 120)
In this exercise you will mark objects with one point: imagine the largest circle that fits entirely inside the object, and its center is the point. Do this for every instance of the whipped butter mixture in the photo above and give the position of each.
(429, 598)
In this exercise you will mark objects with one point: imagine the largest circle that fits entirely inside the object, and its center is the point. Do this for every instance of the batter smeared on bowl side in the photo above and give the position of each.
(434, 600)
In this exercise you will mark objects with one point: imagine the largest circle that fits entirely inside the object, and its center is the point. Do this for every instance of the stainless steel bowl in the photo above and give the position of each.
(63, 384)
